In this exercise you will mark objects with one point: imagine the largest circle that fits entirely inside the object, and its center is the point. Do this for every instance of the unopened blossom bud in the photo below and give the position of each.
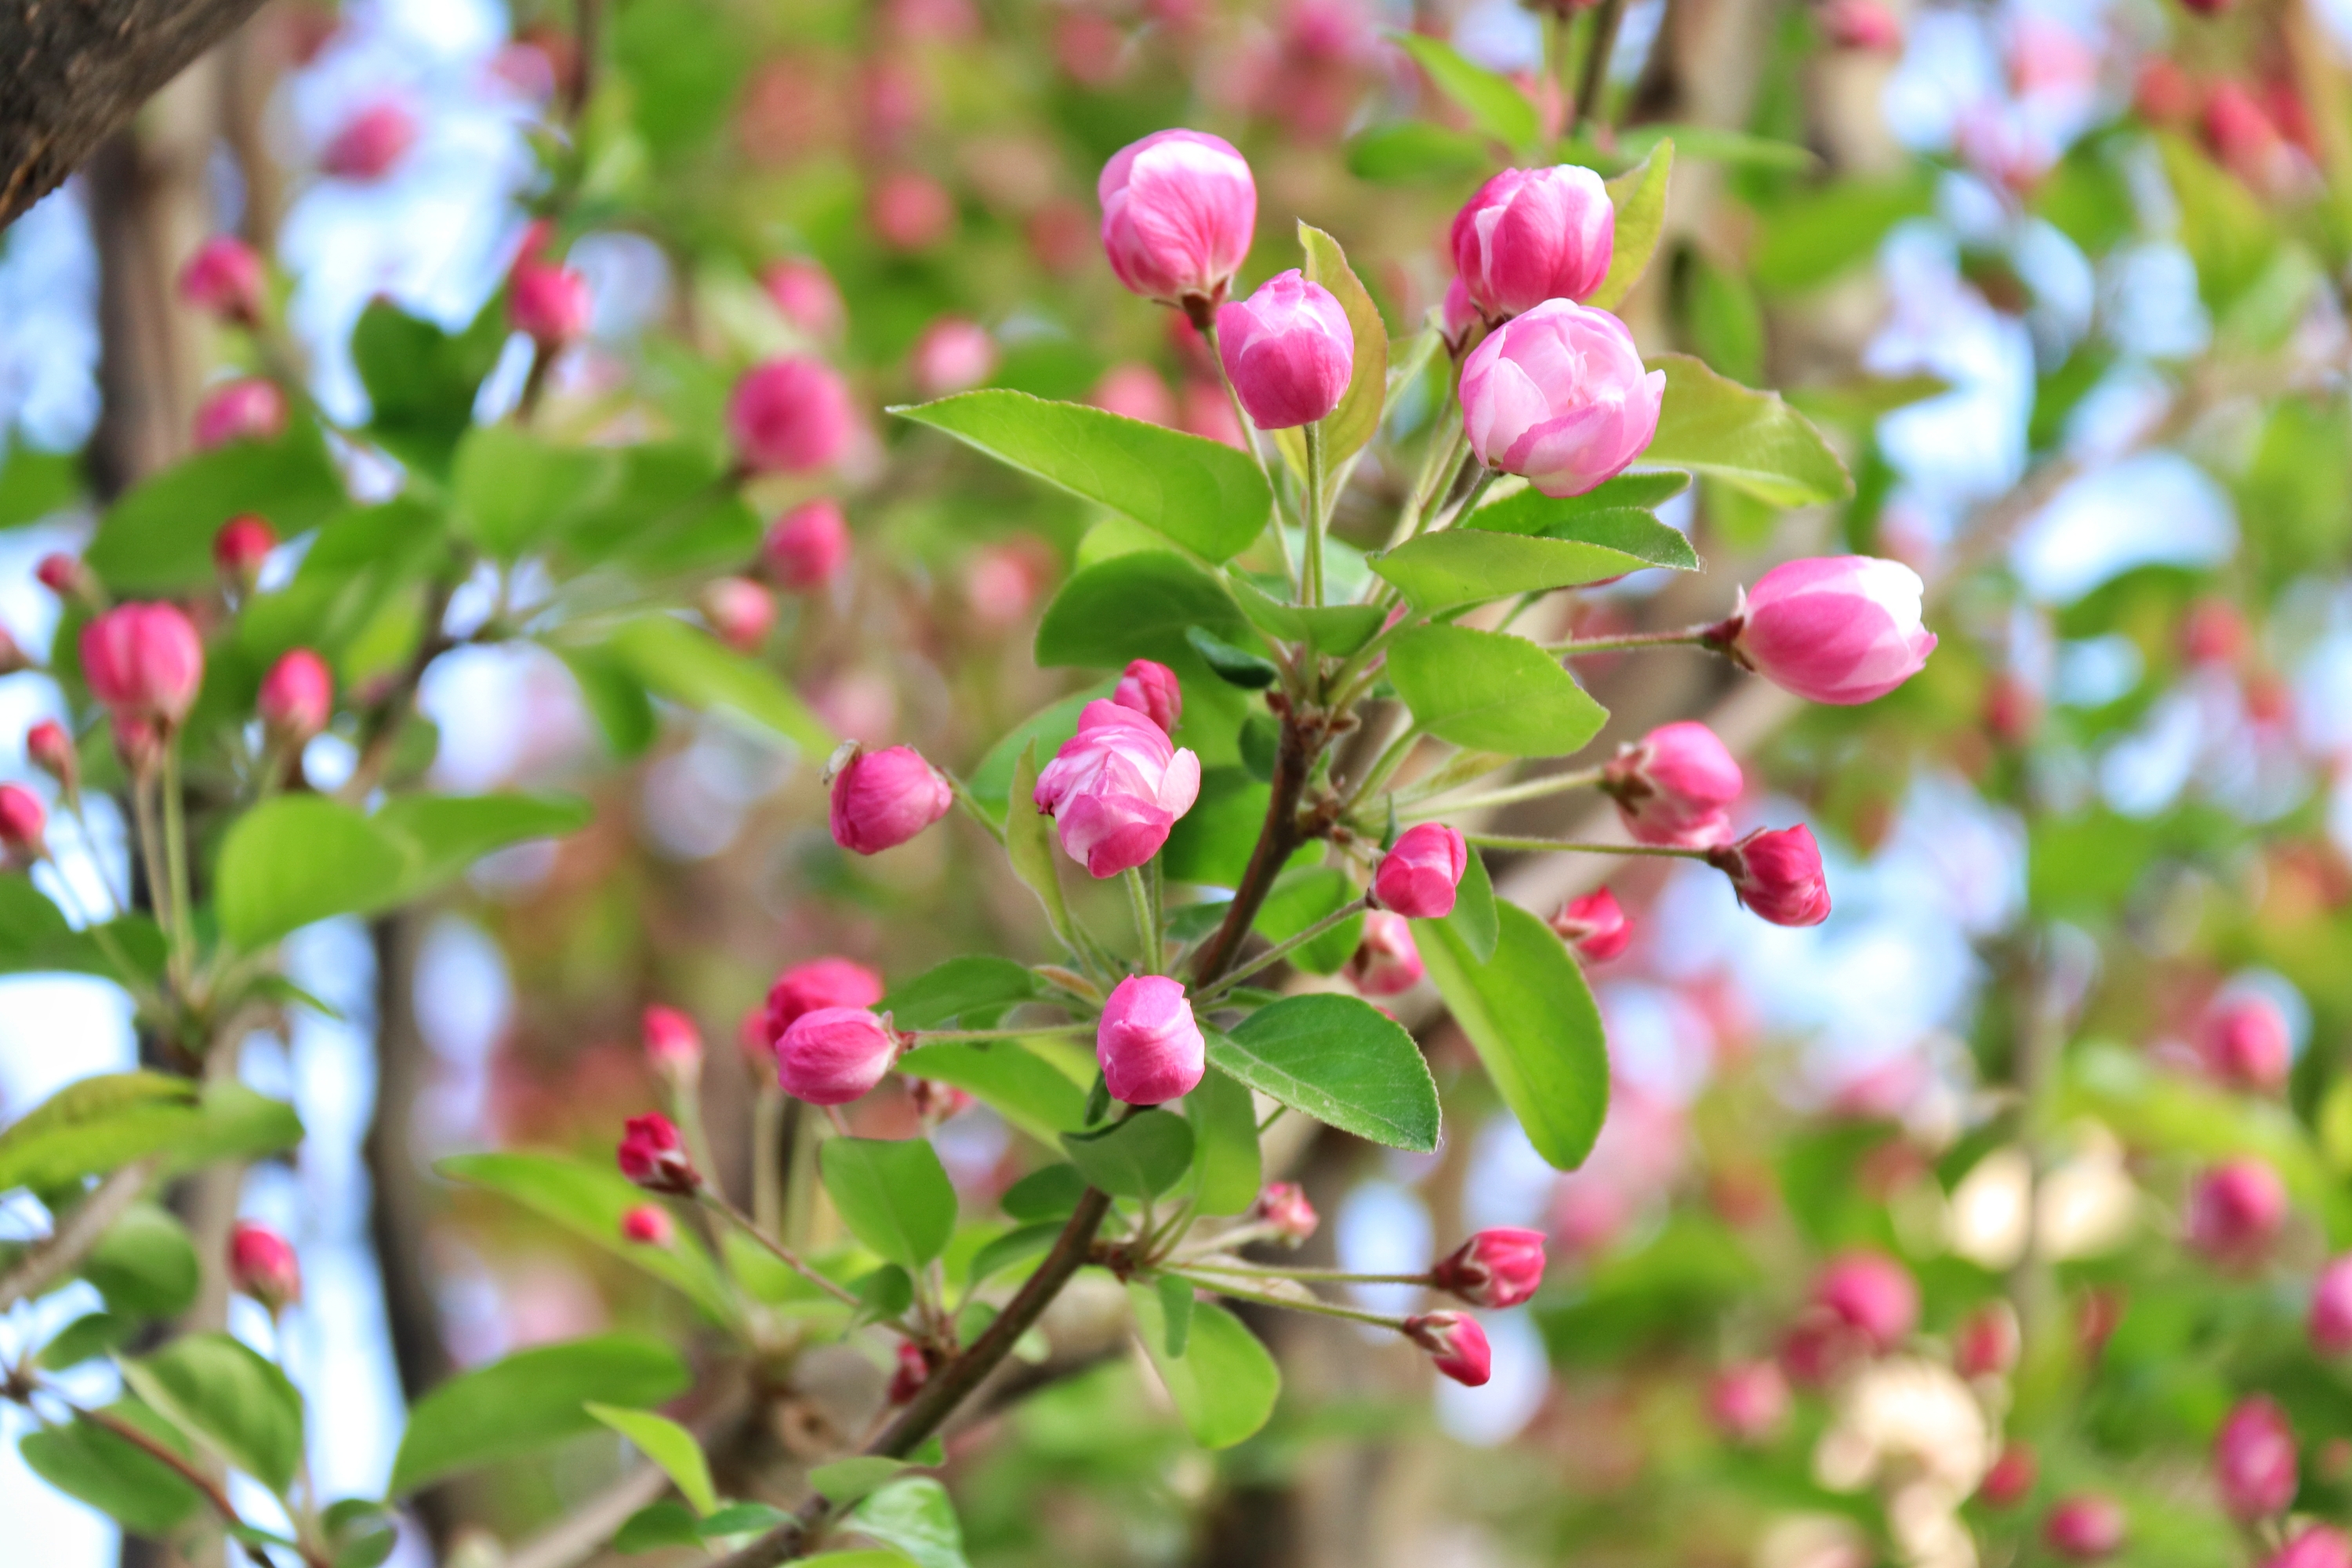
(224, 278)
(1152, 690)
(1456, 1343)
(369, 143)
(1386, 963)
(1560, 395)
(819, 983)
(1748, 1401)
(2317, 1546)
(881, 799)
(251, 409)
(1207, 413)
(1533, 235)
(740, 612)
(240, 547)
(262, 1265)
(2214, 633)
(63, 576)
(2163, 93)
(143, 661)
(1777, 873)
(1458, 313)
(1288, 351)
(1116, 788)
(1594, 925)
(1002, 582)
(2009, 1479)
(1676, 786)
(1863, 25)
(2331, 1309)
(804, 293)
(910, 212)
(648, 1224)
(51, 750)
(953, 355)
(653, 1156)
(298, 696)
(2245, 1043)
(547, 304)
(835, 1054)
(22, 821)
(673, 1045)
(1148, 1045)
(1496, 1268)
(1988, 1343)
(805, 549)
(1840, 630)
(2254, 1460)
(789, 415)
(1179, 209)
(1418, 878)
(1871, 1294)
(2085, 1528)
(1284, 1206)
(2235, 1210)
(913, 1370)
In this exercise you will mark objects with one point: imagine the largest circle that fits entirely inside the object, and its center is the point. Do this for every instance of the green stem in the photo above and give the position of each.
(1315, 504)
(175, 853)
(1576, 847)
(1331, 1276)
(992, 821)
(1282, 949)
(1226, 1287)
(1690, 637)
(1534, 789)
(151, 856)
(767, 1159)
(1438, 467)
(716, 1201)
(1390, 760)
(1147, 929)
(942, 1037)
(1469, 500)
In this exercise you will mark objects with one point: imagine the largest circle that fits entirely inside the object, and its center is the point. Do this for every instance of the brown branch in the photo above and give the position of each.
(163, 1454)
(1276, 841)
(64, 1249)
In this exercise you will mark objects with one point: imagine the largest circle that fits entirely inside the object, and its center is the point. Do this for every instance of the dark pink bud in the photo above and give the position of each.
(298, 696)
(819, 983)
(143, 661)
(789, 415)
(653, 1156)
(1748, 1401)
(1386, 963)
(369, 143)
(1988, 1342)
(1777, 873)
(21, 824)
(2083, 1528)
(224, 278)
(913, 1370)
(953, 355)
(1817, 1347)
(1863, 25)
(1840, 630)
(547, 304)
(910, 212)
(648, 1224)
(2235, 1210)
(1148, 1045)
(262, 1265)
(673, 1045)
(2331, 1309)
(52, 751)
(1460, 313)
(1456, 1343)
(881, 799)
(806, 547)
(1151, 689)
(2254, 1460)
(1533, 235)
(251, 409)
(240, 547)
(1288, 351)
(1116, 788)
(1594, 925)
(1179, 209)
(2246, 1044)
(804, 293)
(1674, 787)
(1497, 1268)
(740, 612)
(2318, 1546)
(1871, 1294)
(1284, 1206)
(1418, 878)
(2011, 1479)
(63, 575)
(835, 1054)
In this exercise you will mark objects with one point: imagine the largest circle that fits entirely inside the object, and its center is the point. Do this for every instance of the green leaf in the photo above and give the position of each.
(742, 1518)
(421, 380)
(1226, 1382)
(50, 1144)
(1632, 531)
(1139, 1157)
(1341, 1061)
(1050, 1192)
(144, 1265)
(667, 1444)
(1639, 195)
(689, 666)
(668, 1523)
(1348, 428)
(1335, 629)
(158, 538)
(893, 1195)
(1136, 606)
(1211, 842)
(361, 1532)
(1748, 439)
(1233, 666)
(1413, 151)
(875, 1558)
(509, 490)
(1473, 919)
(1473, 565)
(1492, 691)
(233, 1122)
(1203, 495)
(974, 991)
(616, 696)
(303, 857)
(1716, 144)
(34, 484)
(1023, 1241)
(529, 1400)
(1029, 847)
(1027, 1090)
(885, 1293)
(1301, 897)
(1176, 1304)
(589, 1200)
(915, 1516)
(1530, 1015)
(1050, 728)
(450, 832)
(114, 1476)
(1497, 108)
(230, 1399)
(846, 1482)
(1224, 1145)
(87, 1337)
(1810, 238)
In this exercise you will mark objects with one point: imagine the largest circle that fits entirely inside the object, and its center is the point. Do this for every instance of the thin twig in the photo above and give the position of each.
(64, 1247)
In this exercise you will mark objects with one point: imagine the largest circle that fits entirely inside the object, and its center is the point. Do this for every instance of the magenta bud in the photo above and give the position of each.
(1988, 1343)
(881, 799)
(1560, 396)
(1116, 788)
(22, 821)
(913, 1370)
(804, 294)
(1840, 630)
(2254, 1460)
(224, 278)
(789, 415)
(739, 612)
(1456, 1343)
(1748, 1401)
(1459, 314)
(953, 355)
(547, 304)
(2246, 1044)
(369, 143)
(2235, 1210)
(250, 409)
(1674, 787)
(1594, 925)
(240, 547)
(298, 696)
(806, 547)
(63, 576)
(2331, 1309)
(1777, 873)
(51, 750)
(2317, 1546)
(262, 1265)
(819, 983)
(1497, 1268)
(2009, 1479)
(653, 1156)
(1284, 1206)
(1148, 1045)
(648, 1224)
(2085, 1528)
(835, 1054)
(1418, 878)
(673, 1045)
(1533, 235)
(143, 661)
(1872, 1294)
(1179, 210)
(1386, 963)
(1288, 351)
(1152, 690)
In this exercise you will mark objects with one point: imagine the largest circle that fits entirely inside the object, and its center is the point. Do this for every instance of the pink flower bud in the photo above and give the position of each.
(62, 574)
(1002, 582)
(648, 1224)
(1863, 25)
(1459, 314)
(1386, 963)
(298, 696)
(1116, 788)
(2083, 1528)
(252, 409)
(1840, 630)
(1594, 925)
(1289, 350)
(804, 294)
(1674, 787)
(2318, 1546)
(739, 612)
(953, 355)
(789, 415)
(935, 1102)
(224, 278)
(1871, 1294)
(881, 799)
(369, 143)
(673, 1045)
(1134, 392)
(1179, 209)
(1748, 1401)
(1284, 1206)
(1457, 1343)
(2254, 1460)
(819, 983)
(143, 661)
(2214, 633)
(653, 1156)
(2011, 1479)
(1152, 690)
(2331, 1309)
(2235, 1210)
(548, 305)
(1777, 873)
(835, 1054)
(2245, 1043)
(1417, 879)
(1497, 1268)
(52, 751)
(910, 212)
(1988, 1342)
(806, 547)
(21, 822)
(913, 1370)
(1148, 1045)
(262, 1265)
(1533, 235)
(1558, 394)
(240, 547)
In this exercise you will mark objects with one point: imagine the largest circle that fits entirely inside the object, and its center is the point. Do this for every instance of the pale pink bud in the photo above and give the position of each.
(251, 409)
(673, 1045)
(648, 1224)
(1862, 25)
(1533, 235)
(1988, 1342)
(1386, 963)
(2254, 1460)
(1871, 1294)
(1148, 1045)
(224, 278)
(806, 547)
(1456, 1343)
(1418, 878)
(2331, 1309)
(740, 612)
(2235, 1210)
(369, 143)
(240, 547)
(1496, 1268)
(1179, 209)
(2245, 1043)
(1002, 582)
(953, 355)
(298, 696)
(1558, 394)
(2011, 1479)
(2083, 1528)
(819, 983)
(1674, 787)
(835, 1054)
(789, 415)
(1136, 391)
(1289, 350)
(1284, 1206)
(1748, 1401)
(804, 293)
(262, 1265)
(1777, 873)
(51, 750)
(881, 799)
(21, 822)
(548, 305)
(143, 661)
(910, 212)
(1841, 629)
(2318, 1546)
(653, 1156)
(913, 1370)
(1116, 788)
(1594, 925)
(1152, 690)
